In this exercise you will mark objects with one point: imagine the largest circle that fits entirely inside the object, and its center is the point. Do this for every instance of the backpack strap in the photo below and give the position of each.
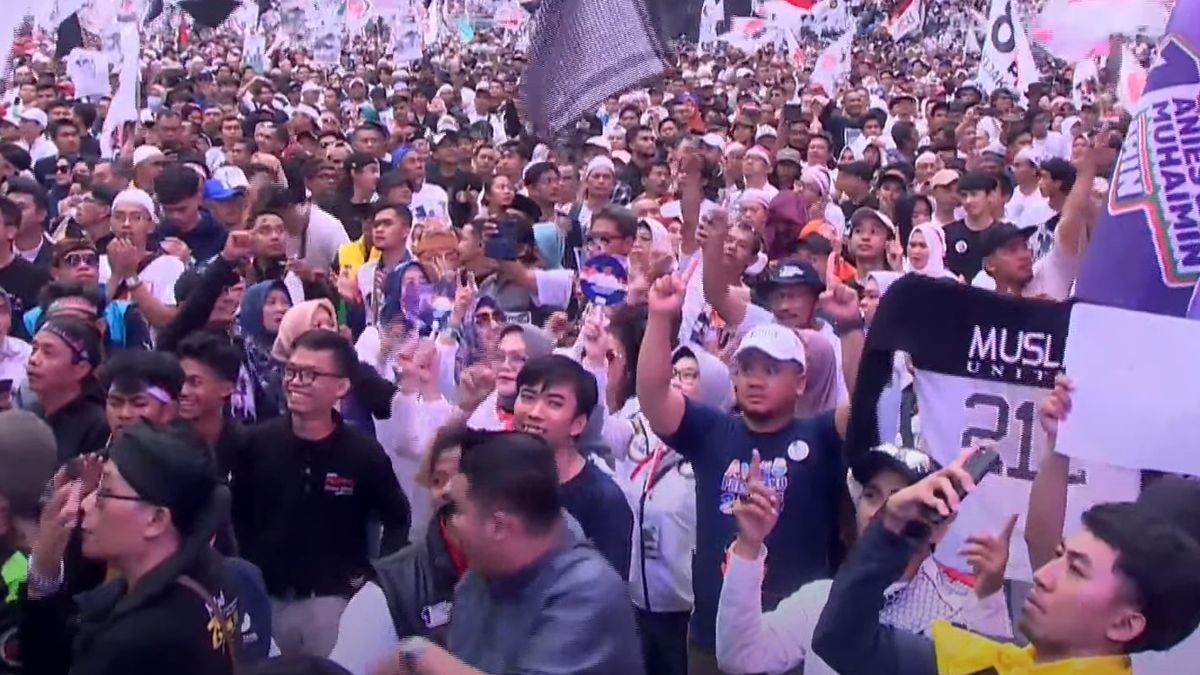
(222, 632)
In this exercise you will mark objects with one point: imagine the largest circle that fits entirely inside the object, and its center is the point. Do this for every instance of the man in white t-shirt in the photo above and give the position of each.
(133, 268)
(428, 200)
(1009, 268)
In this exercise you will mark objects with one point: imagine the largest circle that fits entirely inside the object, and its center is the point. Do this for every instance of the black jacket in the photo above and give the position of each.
(80, 427)
(161, 626)
(301, 508)
(848, 636)
(418, 582)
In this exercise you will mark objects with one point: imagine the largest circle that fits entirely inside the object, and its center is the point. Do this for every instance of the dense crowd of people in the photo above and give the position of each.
(341, 369)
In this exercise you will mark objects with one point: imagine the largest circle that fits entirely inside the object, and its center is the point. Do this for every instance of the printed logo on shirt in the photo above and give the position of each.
(435, 616)
(339, 486)
(960, 246)
(734, 482)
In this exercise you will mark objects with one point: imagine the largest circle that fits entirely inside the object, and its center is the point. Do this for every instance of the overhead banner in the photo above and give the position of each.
(1151, 229)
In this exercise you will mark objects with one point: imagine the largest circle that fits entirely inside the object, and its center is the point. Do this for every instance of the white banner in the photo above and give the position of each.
(1007, 60)
(712, 12)
(406, 36)
(88, 70)
(124, 106)
(750, 34)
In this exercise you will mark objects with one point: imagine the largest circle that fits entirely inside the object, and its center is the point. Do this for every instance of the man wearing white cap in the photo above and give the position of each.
(133, 268)
(33, 123)
(1027, 196)
(148, 163)
(800, 458)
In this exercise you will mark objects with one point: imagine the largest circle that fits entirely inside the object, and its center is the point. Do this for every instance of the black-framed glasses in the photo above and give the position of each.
(62, 168)
(304, 376)
(105, 495)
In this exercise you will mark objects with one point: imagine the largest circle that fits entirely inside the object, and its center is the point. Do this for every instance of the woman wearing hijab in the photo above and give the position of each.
(14, 354)
(263, 307)
(927, 252)
(599, 181)
(516, 345)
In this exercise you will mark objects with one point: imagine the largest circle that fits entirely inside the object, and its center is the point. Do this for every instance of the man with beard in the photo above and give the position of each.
(643, 151)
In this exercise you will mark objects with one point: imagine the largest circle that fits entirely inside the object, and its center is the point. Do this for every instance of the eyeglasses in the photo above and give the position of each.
(104, 495)
(517, 360)
(684, 376)
(304, 376)
(599, 239)
(482, 318)
(83, 259)
(62, 168)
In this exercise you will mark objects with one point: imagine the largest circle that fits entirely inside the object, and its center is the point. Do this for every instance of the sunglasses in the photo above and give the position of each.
(482, 318)
(82, 259)
(62, 168)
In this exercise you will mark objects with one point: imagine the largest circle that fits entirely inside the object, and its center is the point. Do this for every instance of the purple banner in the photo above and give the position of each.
(1145, 254)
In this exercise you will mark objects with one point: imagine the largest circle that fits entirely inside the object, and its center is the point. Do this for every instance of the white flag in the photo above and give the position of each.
(907, 17)
(124, 106)
(833, 65)
(1007, 60)
(1083, 82)
(794, 51)
(1131, 82)
(750, 34)
(711, 14)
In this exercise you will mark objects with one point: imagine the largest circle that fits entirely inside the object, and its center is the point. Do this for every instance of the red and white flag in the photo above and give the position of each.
(833, 65)
(907, 17)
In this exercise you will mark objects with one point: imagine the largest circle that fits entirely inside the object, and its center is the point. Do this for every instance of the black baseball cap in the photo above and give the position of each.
(791, 273)
(999, 234)
(912, 465)
(858, 169)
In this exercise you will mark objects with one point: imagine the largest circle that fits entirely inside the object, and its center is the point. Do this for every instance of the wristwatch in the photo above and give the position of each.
(133, 281)
(411, 649)
(39, 586)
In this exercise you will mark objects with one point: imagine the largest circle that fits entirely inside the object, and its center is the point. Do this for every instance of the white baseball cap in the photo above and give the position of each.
(776, 341)
(310, 86)
(35, 115)
(763, 131)
(713, 140)
(599, 142)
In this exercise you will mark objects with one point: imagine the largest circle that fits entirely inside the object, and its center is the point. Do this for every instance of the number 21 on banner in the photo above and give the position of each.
(1025, 416)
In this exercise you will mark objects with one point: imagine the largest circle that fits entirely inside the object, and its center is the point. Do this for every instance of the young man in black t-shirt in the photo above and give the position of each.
(555, 398)
(964, 237)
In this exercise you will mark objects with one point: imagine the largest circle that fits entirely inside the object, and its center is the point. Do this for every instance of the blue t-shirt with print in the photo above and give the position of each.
(802, 462)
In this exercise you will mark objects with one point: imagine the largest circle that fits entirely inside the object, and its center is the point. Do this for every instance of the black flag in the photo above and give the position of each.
(70, 36)
(574, 62)
(210, 13)
(155, 9)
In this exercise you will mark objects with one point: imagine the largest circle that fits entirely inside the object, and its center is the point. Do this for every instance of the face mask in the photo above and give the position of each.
(154, 102)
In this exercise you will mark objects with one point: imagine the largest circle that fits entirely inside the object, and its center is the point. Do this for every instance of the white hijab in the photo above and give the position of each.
(935, 241)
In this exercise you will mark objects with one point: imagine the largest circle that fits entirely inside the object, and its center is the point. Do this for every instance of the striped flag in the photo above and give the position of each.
(574, 62)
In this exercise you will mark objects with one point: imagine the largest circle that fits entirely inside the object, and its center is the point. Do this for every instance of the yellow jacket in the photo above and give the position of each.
(961, 652)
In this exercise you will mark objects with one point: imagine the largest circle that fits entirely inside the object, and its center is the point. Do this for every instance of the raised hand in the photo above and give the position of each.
(239, 246)
(937, 492)
(666, 296)
(1056, 406)
(988, 556)
(123, 258)
(839, 301)
(474, 385)
(756, 512)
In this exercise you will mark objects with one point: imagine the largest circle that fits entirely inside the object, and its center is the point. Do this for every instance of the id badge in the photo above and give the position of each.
(650, 542)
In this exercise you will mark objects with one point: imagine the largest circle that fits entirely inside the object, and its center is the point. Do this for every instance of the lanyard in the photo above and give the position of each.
(656, 470)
